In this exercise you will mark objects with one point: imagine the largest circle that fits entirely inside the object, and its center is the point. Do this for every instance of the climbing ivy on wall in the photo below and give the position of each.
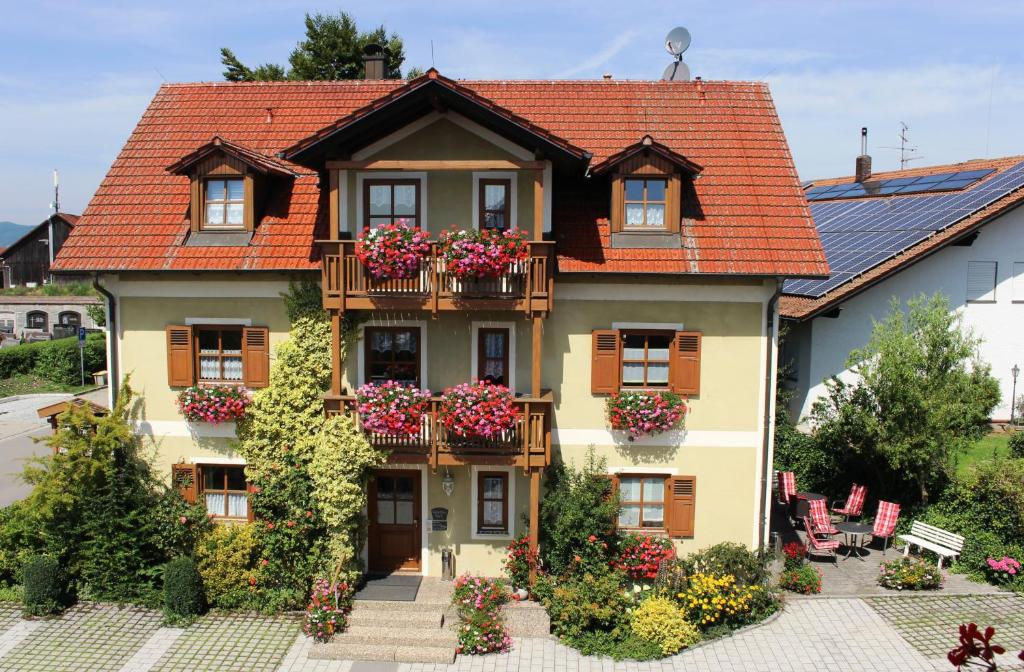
(307, 474)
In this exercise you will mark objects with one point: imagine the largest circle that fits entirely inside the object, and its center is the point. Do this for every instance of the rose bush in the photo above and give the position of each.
(478, 601)
(478, 410)
(641, 556)
(392, 408)
(392, 250)
(482, 254)
(213, 403)
(644, 413)
(328, 609)
(519, 561)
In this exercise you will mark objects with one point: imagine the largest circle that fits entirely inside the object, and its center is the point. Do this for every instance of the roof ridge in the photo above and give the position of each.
(399, 82)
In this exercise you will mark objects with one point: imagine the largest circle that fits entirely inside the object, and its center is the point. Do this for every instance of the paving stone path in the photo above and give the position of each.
(248, 643)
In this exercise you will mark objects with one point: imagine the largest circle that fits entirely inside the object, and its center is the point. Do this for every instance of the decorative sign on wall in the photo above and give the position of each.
(439, 519)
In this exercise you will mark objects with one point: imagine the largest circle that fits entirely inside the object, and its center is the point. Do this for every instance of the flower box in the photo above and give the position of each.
(392, 408)
(642, 413)
(478, 410)
(482, 254)
(213, 403)
(393, 251)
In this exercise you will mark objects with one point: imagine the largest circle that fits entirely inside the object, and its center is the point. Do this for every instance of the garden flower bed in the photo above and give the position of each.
(478, 601)
(910, 574)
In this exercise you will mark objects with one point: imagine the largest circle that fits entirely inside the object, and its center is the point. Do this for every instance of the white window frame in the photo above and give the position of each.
(474, 478)
(513, 212)
(989, 296)
(362, 176)
(474, 349)
(361, 350)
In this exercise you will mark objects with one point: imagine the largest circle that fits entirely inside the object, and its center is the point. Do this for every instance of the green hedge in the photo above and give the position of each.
(56, 361)
(183, 589)
(42, 584)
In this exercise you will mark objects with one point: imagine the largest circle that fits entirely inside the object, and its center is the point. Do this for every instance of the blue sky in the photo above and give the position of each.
(75, 76)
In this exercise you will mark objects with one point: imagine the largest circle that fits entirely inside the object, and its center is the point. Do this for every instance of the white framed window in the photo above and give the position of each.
(981, 281)
(495, 200)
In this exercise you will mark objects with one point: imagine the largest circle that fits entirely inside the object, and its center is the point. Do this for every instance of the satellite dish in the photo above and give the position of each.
(677, 41)
(676, 72)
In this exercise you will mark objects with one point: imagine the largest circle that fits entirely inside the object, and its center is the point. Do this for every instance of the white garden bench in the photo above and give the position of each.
(939, 541)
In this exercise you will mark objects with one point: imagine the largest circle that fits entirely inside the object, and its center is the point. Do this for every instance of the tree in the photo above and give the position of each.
(921, 397)
(332, 50)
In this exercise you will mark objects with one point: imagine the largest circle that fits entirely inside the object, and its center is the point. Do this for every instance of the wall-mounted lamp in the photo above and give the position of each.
(448, 482)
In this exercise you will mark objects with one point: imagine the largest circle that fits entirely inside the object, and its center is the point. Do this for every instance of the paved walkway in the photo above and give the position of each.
(907, 633)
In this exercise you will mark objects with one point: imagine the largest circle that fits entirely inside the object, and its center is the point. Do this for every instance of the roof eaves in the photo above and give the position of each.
(256, 160)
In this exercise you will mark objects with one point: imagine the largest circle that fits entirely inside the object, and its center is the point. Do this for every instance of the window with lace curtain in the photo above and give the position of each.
(219, 355)
(224, 491)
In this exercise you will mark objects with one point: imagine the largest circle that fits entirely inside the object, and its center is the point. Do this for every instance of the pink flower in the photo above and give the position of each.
(183, 520)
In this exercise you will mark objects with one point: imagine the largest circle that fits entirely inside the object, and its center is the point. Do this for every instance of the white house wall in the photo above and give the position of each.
(1000, 323)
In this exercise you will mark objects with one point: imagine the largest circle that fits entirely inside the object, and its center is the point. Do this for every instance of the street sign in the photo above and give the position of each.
(81, 337)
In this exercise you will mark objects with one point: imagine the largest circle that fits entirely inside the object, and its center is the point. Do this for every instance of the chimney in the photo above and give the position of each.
(373, 61)
(862, 172)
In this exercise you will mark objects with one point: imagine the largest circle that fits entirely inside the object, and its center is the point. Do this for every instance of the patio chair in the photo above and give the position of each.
(821, 522)
(854, 504)
(787, 486)
(885, 522)
(816, 546)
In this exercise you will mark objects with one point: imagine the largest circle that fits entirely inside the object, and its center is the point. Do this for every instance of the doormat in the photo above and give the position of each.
(391, 588)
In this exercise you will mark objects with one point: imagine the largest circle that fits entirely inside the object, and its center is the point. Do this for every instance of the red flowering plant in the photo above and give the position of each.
(328, 609)
(478, 601)
(794, 552)
(976, 649)
(213, 403)
(391, 408)
(392, 250)
(478, 410)
(520, 561)
(482, 254)
(642, 412)
(641, 555)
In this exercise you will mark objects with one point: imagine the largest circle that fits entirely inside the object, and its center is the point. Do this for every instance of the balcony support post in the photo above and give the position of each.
(538, 329)
(534, 517)
(335, 352)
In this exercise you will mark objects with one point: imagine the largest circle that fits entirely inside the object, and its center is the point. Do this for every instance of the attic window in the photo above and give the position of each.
(225, 204)
(645, 203)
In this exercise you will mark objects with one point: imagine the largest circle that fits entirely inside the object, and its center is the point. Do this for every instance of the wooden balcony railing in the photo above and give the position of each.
(527, 445)
(527, 286)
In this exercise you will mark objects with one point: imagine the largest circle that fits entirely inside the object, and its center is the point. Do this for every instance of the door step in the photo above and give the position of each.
(402, 632)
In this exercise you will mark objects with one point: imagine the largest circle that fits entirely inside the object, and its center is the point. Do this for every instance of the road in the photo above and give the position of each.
(19, 425)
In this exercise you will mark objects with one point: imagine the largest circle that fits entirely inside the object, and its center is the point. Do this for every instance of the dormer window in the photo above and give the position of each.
(225, 204)
(646, 201)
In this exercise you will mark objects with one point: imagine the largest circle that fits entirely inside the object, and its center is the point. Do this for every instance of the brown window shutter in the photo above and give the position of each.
(250, 488)
(682, 498)
(180, 358)
(605, 361)
(256, 356)
(685, 364)
(185, 477)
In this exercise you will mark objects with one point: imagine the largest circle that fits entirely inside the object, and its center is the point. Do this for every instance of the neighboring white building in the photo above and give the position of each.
(966, 242)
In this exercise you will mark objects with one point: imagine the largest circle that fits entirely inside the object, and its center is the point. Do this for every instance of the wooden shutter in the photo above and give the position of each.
(682, 497)
(605, 360)
(180, 357)
(685, 363)
(256, 356)
(250, 488)
(185, 477)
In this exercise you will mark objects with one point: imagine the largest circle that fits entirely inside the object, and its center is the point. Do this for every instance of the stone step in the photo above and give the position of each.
(380, 618)
(404, 607)
(405, 636)
(341, 650)
(526, 619)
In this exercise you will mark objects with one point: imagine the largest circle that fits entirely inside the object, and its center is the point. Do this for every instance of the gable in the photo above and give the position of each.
(443, 137)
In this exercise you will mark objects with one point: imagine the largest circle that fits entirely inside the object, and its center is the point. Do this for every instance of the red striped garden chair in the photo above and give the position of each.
(787, 486)
(816, 546)
(854, 504)
(885, 522)
(821, 523)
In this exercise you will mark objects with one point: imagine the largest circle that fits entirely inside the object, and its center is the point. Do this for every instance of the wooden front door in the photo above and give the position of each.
(394, 529)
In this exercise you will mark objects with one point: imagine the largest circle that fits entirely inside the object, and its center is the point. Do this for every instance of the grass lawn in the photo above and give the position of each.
(993, 445)
(29, 384)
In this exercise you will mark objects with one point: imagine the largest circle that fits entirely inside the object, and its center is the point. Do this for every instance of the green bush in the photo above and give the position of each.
(659, 620)
(805, 579)
(748, 567)
(19, 539)
(588, 601)
(43, 586)
(1016, 444)
(989, 497)
(177, 525)
(226, 560)
(56, 361)
(617, 646)
(183, 590)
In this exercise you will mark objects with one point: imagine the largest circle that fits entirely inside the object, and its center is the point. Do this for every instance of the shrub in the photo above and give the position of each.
(644, 413)
(909, 574)
(673, 577)
(718, 599)
(56, 361)
(659, 620)
(226, 559)
(1016, 444)
(43, 586)
(641, 556)
(19, 539)
(183, 590)
(177, 525)
(478, 602)
(617, 645)
(328, 609)
(804, 579)
(520, 561)
(1003, 570)
(586, 602)
(794, 553)
(747, 567)
(482, 633)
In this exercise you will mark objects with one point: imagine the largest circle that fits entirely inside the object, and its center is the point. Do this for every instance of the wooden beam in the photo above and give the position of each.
(538, 325)
(438, 164)
(534, 517)
(335, 218)
(335, 352)
(538, 204)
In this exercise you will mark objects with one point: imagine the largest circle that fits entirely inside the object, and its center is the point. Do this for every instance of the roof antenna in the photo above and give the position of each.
(432, 54)
(56, 193)
(906, 149)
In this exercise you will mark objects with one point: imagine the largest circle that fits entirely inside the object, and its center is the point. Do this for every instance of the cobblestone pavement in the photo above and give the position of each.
(87, 638)
(930, 622)
(247, 643)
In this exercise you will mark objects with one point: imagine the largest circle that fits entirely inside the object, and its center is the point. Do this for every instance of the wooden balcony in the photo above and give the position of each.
(527, 286)
(527, 445)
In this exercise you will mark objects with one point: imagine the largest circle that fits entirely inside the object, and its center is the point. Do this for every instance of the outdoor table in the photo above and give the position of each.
(854, 530)
(800, 507)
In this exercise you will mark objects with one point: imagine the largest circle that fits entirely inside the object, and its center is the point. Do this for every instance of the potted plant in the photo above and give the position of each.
(213, 403)
(643, 412)
(519, 562)
(392, 408)
(478, 410)
(482, 254)
(392, 251)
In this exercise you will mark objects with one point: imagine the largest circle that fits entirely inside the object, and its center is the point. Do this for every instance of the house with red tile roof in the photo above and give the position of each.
(584, 243)
(954, 229)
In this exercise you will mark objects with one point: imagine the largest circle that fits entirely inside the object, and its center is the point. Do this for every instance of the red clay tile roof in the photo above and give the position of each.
(260, 162)
(752, 216)
(805, 307)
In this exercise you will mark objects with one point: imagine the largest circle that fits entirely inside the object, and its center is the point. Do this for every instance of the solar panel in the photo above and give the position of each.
(857, 235)
(898, 185)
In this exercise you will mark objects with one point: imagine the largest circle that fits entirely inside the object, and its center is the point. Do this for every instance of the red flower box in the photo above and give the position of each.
(213, 403)
(393, 250)
(642, 413)
(482, 254)
(478, 410)
(391, 408)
